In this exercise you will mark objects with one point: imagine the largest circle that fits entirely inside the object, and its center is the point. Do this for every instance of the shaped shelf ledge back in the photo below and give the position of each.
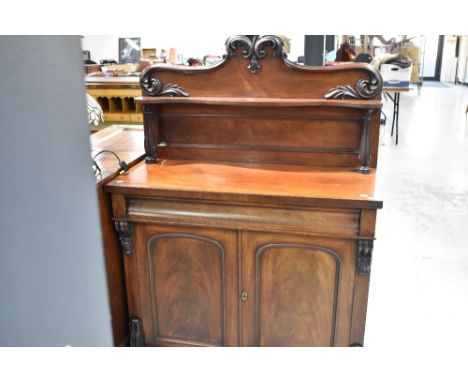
(267, 61)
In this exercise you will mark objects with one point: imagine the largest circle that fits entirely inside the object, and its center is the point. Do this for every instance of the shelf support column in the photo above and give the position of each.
(150, 124)
(365, 145)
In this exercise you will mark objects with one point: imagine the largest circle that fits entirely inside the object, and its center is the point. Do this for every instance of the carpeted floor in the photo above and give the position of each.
(435, 84)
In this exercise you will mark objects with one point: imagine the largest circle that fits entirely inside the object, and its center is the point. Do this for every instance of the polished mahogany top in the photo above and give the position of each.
(256, 183)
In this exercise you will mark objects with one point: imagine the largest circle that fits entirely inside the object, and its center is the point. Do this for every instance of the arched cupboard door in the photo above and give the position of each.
(187, 281)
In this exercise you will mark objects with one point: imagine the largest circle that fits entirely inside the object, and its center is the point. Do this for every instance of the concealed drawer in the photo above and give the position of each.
(330, 222)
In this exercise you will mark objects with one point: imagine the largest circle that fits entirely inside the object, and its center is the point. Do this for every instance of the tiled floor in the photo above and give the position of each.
(419, 282)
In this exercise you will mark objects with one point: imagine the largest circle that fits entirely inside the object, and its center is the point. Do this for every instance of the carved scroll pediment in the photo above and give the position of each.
(155, 87)
(253, 48)
(364, 83)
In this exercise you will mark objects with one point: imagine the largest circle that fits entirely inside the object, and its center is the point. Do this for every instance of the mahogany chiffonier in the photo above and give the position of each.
(251, 221)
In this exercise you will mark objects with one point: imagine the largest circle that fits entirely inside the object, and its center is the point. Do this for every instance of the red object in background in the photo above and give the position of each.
(345, 53)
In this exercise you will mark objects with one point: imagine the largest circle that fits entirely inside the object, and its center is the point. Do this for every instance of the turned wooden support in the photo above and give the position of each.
(365, 145)
(150, 124)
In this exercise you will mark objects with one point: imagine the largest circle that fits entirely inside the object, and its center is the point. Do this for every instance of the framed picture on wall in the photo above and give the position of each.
(129, 50)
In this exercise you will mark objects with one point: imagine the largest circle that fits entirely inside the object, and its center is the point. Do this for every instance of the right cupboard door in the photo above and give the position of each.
(296, 290)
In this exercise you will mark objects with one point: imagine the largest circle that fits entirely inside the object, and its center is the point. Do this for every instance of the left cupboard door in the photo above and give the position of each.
(188, 285)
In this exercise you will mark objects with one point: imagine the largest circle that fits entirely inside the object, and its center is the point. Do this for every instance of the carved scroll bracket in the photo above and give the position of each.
(155, 87)
(254, 48)
(363, 89)
(364, 256)
(136, 334)
(125, 232)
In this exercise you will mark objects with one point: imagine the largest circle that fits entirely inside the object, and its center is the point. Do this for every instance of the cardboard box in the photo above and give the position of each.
(412, 52)
(415, 73)
(395, 76)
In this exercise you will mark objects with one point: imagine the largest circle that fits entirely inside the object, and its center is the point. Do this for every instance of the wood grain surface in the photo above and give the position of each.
(276, 79)
(188, 285)
(244, 182)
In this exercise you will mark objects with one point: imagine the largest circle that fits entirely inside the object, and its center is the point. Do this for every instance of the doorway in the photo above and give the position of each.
(434, 45)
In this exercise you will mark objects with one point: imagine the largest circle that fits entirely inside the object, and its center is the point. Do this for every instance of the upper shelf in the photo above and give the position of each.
(249, 101)
(256, 106)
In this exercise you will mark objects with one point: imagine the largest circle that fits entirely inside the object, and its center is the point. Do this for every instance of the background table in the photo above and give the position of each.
(396, 106)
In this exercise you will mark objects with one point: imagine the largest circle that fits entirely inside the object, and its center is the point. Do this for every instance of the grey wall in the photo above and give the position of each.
(52, 278)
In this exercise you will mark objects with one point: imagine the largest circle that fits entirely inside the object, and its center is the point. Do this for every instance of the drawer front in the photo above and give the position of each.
(328, 222)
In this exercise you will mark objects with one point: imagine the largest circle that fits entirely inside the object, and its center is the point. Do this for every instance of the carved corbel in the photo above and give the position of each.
(125, 233)
(364, 256)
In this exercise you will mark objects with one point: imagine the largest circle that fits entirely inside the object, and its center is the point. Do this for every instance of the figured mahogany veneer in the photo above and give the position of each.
(252, 221)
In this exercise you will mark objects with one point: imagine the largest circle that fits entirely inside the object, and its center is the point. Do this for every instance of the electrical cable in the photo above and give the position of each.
(123, 167)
